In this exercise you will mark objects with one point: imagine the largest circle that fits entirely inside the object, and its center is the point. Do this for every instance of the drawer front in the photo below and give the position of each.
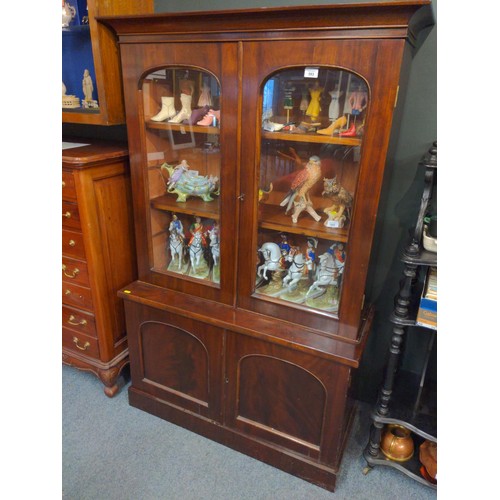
(77, 296)
(79, 321)
(70, 215)
(68, 186)
(75, 271)
(80, 343)
(72, 244)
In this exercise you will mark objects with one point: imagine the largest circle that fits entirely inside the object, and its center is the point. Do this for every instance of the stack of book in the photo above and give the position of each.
(427, 312)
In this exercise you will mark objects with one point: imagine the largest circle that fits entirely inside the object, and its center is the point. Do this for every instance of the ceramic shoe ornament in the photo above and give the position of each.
(185, 182)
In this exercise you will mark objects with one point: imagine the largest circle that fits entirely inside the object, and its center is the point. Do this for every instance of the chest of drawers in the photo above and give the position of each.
(98, 258)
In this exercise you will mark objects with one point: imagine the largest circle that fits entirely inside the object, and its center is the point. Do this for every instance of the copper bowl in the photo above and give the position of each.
(397, 443)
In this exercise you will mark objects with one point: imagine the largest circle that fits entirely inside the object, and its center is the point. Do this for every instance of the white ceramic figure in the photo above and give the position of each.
(176, 240)
(214, 243)
(196, 251)
(68, 13)
(87, 85)
(296, 270)
(326, 274)
(272, 256)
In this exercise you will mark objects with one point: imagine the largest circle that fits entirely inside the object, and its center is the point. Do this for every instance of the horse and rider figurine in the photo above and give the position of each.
(299, 277)
(196, 265)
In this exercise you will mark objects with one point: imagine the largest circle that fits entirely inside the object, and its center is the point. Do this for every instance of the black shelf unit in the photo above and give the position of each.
(406, 398)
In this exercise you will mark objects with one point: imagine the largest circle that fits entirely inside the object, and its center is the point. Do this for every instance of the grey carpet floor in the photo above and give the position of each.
(111, 450)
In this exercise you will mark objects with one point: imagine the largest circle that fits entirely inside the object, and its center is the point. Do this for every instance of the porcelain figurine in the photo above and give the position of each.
(298, 196)
(213, 234)
(185, 182)
(197, 244)
(271, 253)
(340, 211)
(263, 194)
(296, 281)
(88, 89)
(312, 244)
(68, 13)
(326, 275)
(87, 85)
(176, 245)
(273, 261)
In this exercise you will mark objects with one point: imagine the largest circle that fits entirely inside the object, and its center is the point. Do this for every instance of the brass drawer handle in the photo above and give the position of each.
(64, 184)
(73, 274)
(67, 215)
(72, 243)
(85, 346)
(71, 321)
(67, 292)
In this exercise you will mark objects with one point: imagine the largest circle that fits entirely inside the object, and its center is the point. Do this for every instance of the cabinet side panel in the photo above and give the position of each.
(115, 221)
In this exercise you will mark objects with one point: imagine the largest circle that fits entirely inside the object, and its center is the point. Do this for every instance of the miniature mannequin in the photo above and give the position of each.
(87, 85)
(205, 96)
(304, 103)
(314, 108)
(334, 108)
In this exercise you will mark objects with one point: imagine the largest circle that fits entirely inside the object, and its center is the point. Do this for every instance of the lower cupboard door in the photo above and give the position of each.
(176, 359)
(286, 397)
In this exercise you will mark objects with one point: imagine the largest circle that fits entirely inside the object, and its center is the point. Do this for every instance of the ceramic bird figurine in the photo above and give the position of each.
(302, 183)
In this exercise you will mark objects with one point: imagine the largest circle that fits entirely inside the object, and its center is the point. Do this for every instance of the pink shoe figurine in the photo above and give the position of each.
(211, 118)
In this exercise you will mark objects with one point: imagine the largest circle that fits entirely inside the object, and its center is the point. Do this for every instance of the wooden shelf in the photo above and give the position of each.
(274, 217)
(182, 127)
(311, 137)
(193, 206)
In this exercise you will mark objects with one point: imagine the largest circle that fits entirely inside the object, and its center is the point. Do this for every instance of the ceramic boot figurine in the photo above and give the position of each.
(185, 112)
(167, 110)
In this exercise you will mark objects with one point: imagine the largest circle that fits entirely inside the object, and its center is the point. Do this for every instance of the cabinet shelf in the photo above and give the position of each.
(274, 217)
(180, 127)
(311, 137)
(193, 206)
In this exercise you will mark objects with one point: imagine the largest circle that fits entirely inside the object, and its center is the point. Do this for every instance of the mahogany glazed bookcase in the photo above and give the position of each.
(258, 142)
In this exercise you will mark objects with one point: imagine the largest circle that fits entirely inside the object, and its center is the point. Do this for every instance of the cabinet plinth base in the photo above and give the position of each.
(107, 373)
(266, 452)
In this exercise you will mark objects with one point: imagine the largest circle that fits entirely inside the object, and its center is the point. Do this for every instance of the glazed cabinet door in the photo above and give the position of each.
(312, 174)
(176, 360)
(182, 126)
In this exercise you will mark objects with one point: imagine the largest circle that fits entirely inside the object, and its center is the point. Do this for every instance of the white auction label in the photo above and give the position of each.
(311, 73)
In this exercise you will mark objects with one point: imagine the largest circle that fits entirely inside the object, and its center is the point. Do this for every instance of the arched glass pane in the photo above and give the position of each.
(182, 128)
(312, 130)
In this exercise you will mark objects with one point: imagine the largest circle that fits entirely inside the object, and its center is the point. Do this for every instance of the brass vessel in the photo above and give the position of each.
(397, 443)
